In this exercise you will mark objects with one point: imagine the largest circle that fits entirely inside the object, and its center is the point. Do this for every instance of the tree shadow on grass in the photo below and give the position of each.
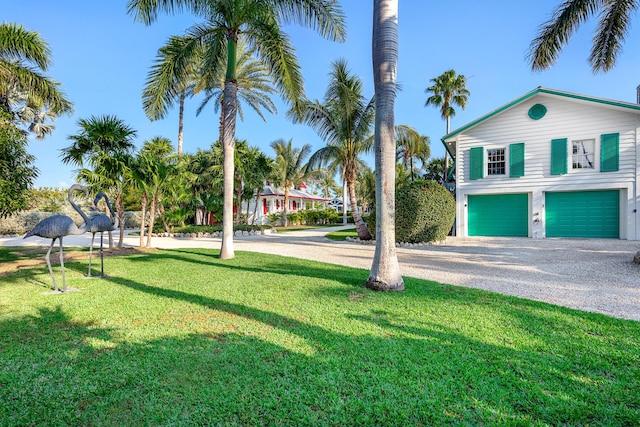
(264, 263)
(56, 369)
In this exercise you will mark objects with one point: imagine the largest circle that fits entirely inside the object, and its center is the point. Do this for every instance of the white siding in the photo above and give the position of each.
(565, 118)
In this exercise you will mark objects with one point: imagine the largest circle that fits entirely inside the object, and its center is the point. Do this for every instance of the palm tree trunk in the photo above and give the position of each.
(344, 201)
(121, 219)
(152, 217)
(446, 153)
(228, 148)
(239, 201)
(181, 122)
(385, 271)
(145, 201)
(361, 227)
(285, 220)
(255, 208)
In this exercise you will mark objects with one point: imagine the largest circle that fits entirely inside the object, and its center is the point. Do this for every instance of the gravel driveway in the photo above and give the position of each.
(595, 275)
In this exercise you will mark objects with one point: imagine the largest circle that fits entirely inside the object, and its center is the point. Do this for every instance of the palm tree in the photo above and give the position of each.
(161, 167)
(152, 170)
(434, 170)
(344, 120)
(206, 183)
(366, 186)
(261, 24)
(290, 170)
(172, 78)
(614, 21)
(385, 271)
(447, 91)
(255, 85)
(412, 146)
(105, 145)
(25, 93)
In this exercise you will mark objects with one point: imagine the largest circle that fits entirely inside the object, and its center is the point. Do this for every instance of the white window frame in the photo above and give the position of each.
(583, 161)
(496, 163)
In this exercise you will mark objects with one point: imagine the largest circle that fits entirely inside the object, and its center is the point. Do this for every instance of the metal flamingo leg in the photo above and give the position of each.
(101, 255)
(93, 236)
(46, 258)
(64, 282)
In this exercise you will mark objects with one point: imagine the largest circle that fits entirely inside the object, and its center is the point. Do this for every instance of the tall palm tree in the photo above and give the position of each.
(344, 120)
(290, 170)
(412, 146)
(25, 92)
(614, 22)
(172, 78)
(104, 144)
(447, 91)
(385, 271)
(255, 85)
(261, 24)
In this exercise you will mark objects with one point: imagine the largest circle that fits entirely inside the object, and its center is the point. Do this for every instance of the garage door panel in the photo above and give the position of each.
(498, 215)
(589, 214)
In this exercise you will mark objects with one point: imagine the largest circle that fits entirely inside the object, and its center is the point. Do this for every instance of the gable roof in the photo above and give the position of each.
(539, 91)
(270, 190)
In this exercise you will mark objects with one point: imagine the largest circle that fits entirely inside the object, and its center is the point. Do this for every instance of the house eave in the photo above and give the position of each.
(450, 137)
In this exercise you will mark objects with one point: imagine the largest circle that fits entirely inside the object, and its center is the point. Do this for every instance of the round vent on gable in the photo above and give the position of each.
(537, 112)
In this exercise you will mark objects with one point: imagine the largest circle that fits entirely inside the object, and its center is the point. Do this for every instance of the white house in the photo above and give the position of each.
(549, 164)
(271, 201)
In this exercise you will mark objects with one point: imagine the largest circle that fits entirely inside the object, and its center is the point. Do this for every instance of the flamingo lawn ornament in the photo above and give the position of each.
(56, 227)
(100, 223)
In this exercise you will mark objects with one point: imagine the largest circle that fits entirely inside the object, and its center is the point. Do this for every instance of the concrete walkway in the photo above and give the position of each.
(595, 275)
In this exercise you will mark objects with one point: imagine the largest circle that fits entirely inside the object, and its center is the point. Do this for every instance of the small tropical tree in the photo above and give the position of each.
(385, 270)
(447, 91)
(105, 144)
(261, 24)
(26, 93)
(156, 163)
(614, 22)
(412, 146)
(344, 120)
(435, 170)
(290, 170)
(17, 173)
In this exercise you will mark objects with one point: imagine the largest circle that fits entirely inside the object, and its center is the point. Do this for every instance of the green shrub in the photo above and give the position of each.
(425, 211)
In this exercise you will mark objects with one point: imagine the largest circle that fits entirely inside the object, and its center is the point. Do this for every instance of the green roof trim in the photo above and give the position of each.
(536, 91)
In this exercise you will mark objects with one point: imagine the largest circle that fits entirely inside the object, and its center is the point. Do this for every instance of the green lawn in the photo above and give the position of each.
(178, 337)
(342, 234)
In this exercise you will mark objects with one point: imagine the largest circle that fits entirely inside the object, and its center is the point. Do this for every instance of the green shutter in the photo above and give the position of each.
(476, 163)
(610, 152)
(559, 156)
(516, 160)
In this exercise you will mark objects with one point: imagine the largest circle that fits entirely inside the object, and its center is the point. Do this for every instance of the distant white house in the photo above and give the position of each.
(549, 164)
(271, 201)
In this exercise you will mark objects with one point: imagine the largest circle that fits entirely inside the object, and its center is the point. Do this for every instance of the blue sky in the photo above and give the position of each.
(101, 57)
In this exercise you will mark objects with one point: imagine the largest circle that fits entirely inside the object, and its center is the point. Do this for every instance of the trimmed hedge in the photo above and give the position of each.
(425, 211)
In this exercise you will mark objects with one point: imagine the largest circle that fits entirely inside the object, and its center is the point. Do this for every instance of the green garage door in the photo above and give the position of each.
(583, 214)
(499, 215)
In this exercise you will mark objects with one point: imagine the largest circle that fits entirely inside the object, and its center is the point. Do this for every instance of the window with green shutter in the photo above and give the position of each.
(559, 156)
(516, 160)
(476, 164)
(610, 152)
